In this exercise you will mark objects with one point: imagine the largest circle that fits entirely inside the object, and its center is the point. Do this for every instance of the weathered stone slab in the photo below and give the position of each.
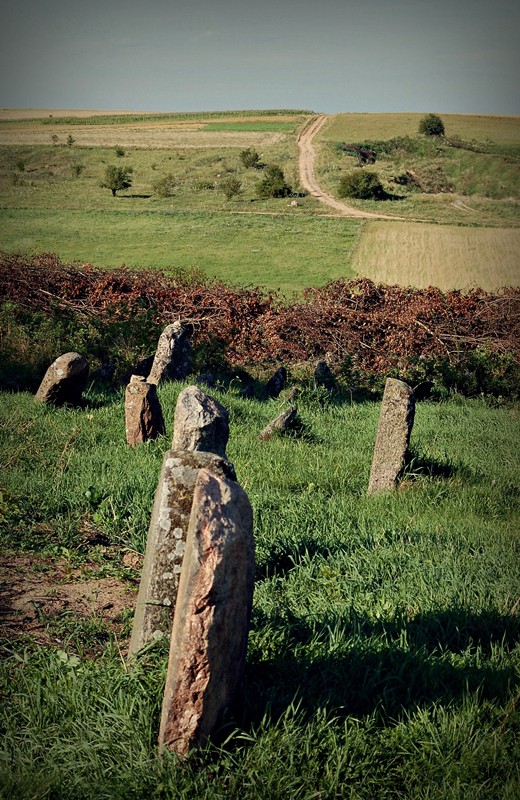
(284, 422)
(166, 542)
(172, 360)
(200, 423)
(212, 616)
(393, 435)
(143, 414)
(64, 381)
(276, 383)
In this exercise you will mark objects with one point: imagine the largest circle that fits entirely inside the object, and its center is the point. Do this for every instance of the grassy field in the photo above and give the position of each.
(353, 127)
(274, 251)
(51, 199)
(383, 657)
(451, 258)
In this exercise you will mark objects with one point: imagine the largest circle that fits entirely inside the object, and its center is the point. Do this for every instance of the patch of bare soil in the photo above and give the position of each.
(36, 591)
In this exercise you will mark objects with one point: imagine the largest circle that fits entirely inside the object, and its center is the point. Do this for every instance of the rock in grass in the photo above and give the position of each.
(200, 423)
(276, 383)
(323, 376)
(212, 615)
(172, 360)
(64, 381)
(393, 435)
(143, 414)
(166, 542)
(284, 422)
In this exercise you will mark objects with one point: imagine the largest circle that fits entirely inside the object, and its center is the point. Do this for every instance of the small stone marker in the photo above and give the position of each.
(276, 383)
(323, 376)
(282, 423)
(166, 542)
(393, 435)
(172, 360)
(143, 414)
(64, 381)
(200, 423)
(212, 616)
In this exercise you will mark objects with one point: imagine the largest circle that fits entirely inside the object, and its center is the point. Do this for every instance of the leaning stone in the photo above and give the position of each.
(64, 381)
(393, 436)
(276, 383)
(212, 616)
(166, 542)
(200, 423)
(143, 414)
(172, 359)
(284, 422)
(323, 376)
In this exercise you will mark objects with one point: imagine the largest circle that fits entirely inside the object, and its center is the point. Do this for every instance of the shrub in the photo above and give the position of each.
(431, 125)
(117, 178)
(273, 184)
(120, 151)
(70, 140)
(165, 186)
(361, 185)
(231, 187)
(250, 159)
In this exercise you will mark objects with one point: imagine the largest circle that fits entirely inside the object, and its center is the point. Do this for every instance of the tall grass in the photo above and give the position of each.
(383, 657)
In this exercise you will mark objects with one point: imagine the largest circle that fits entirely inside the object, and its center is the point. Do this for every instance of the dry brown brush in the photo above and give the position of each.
(359, 326)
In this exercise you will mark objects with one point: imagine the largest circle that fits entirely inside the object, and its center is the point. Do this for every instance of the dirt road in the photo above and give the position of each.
(308, 179)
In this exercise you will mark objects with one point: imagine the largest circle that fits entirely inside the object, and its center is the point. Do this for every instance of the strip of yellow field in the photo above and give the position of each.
(421, 255)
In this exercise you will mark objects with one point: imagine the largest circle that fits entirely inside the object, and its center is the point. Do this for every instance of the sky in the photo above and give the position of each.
(329, 56)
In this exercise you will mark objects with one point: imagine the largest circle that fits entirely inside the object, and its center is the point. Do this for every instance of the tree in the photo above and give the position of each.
(117, 178)
(431, 125)
(361, 185)
(231, 187)
(273, 183)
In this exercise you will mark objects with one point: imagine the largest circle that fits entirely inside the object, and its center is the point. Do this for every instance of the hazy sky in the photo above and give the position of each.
(324, 55)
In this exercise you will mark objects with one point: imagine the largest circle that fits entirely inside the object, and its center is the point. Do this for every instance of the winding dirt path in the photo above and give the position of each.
(308, 178)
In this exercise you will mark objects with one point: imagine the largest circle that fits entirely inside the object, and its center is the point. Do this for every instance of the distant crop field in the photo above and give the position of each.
(503, 130)
(284, 127)
(421, 255)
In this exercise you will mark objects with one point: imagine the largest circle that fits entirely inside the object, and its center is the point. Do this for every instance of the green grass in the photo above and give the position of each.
(383, 658)
(283, 252)
(123, 118)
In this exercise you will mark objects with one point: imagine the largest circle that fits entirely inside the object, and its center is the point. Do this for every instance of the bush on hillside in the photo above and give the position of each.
(273, 183)
(165, 186)
(431, 125)
(250, 159)
(231, 187)
(361, 185)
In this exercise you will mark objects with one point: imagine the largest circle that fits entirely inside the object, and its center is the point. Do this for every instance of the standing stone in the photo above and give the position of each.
(393, 435)
(212, 616)
(143, 414)
(323, 376)
(200, 423)
(166, 542)
(284, 422)
(64, 381)
(172, 360)
(276, 383)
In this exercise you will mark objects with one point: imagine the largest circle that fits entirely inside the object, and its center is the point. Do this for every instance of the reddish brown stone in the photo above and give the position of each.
(143, 413)
(211, 622)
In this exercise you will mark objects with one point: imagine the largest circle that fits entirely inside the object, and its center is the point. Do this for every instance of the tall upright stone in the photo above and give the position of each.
(166, 542)
(276, 383)
(143, 414)
(393, 435)
(64, 381)
(200, 422)
(212, 615)
(172, 360)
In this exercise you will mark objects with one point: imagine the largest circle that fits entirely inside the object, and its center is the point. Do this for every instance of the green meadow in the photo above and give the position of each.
(383, 656)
